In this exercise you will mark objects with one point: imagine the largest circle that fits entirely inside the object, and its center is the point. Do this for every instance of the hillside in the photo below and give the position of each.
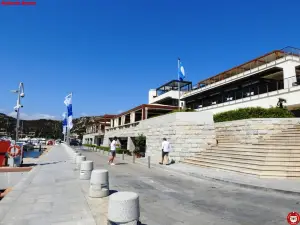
(42, 127)
(37, 128)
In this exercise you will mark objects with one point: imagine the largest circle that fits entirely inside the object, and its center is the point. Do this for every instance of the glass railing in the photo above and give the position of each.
(286, 85)
(269, 60)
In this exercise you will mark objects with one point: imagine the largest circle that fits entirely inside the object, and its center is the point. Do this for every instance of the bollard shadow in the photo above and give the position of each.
(112, 192)
(48, 163)
(140, 223)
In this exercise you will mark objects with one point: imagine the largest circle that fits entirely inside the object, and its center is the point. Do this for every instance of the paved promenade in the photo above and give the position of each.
(51, 193)
(288, 186)
(172, 198)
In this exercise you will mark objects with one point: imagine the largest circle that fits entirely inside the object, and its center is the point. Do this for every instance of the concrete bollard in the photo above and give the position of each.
(79, 159)
(123, 208)
(99, 184)
(86, 168)
(75, 156)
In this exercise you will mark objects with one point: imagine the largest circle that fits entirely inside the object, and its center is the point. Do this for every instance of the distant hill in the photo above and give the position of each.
(42, 127)
(38, 128)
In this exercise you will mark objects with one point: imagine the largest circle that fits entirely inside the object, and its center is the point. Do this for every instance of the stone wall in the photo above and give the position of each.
(251, 131)
(188, 132)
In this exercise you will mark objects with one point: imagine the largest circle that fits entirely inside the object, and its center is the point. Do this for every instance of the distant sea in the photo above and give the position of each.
(32, 154)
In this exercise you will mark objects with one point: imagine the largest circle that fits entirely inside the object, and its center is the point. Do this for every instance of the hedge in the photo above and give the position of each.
(252, 112)
(118, 150)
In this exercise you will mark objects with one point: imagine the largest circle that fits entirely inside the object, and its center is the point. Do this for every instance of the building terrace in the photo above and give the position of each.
(139, 113)
(259, 82)
(95, 129)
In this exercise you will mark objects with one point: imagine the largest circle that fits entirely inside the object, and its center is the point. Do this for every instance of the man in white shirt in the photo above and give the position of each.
(113, 146)
(166, 148)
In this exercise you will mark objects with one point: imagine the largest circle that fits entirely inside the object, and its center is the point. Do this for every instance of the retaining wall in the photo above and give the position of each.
(188, 132)
(252, 131)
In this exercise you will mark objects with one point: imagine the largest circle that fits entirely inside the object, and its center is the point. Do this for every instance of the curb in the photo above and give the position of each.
(234, 183)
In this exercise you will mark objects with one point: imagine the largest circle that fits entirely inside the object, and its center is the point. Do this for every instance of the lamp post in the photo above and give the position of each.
(21, 94)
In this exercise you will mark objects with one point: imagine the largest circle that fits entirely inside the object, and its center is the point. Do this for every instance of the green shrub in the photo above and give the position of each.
(182, 110)
(89, 145)
(252, 112)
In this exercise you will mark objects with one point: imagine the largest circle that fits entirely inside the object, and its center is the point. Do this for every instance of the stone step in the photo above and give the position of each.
(255, 146)
(266, 142)
(269, 144)
(291, 131)
(263, 174)
(250, 156)
(263, 162)
(284, 141)
(286, 138)
(258, 153)
(248, 165)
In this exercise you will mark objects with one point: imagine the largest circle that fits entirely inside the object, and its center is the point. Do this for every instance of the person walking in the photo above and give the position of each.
(113, 146)
(165, 148)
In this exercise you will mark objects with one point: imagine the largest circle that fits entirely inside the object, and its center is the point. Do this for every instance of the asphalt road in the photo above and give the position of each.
(171, 199)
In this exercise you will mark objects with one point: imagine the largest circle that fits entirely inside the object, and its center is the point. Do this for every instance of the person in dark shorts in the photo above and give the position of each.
(165, 149)
(113, 147)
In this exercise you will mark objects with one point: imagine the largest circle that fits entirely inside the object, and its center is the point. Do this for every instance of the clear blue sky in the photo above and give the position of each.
(110, 53)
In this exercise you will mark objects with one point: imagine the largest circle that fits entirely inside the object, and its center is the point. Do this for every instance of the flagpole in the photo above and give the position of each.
(178, 84)
(68, 129)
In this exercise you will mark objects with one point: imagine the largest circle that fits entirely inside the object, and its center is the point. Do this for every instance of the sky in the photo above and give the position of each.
(110, 53)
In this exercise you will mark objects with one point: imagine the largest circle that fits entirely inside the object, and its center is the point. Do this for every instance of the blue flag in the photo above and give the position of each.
(65, 123)
(68, 103)
(181, 72)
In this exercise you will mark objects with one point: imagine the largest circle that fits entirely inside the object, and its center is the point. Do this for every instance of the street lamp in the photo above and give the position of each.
(21, 94)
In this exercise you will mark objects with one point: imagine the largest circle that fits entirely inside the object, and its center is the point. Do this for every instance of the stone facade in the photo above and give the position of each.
(251, 131)
(188, 133)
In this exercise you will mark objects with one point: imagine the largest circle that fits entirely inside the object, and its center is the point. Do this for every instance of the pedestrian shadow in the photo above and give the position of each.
(117, 164)
(140, 223)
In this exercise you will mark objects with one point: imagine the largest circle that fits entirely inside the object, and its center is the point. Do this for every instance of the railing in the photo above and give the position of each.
(99, 132)
(128, 125)
(291, 84)
(288, 53)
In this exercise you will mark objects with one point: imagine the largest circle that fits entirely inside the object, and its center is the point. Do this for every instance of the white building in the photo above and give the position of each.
(95, 130)
(257, 83)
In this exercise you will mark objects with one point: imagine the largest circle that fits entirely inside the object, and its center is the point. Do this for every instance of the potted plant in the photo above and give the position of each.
(140, 144)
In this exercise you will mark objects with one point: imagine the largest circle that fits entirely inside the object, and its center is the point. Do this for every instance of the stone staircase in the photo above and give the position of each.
(276, 155)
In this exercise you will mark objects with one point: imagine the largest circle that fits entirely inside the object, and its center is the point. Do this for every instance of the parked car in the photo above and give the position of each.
(28, 146)
(74, 142)
(50, 142)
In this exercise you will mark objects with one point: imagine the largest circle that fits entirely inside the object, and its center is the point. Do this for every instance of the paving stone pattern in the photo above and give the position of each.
(51, 193)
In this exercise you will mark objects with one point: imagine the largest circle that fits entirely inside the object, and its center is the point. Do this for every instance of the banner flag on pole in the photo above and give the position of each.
(65, 123)
(68, 103)
(181, 72)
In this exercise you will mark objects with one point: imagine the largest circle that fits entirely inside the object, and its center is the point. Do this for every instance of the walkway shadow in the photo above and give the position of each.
(112, 192)
(48, 163)
(140, 223)
(117, 164)
(28, 164)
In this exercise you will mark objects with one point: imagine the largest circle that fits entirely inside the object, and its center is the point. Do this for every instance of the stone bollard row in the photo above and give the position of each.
(123, 208)
(86, 169)
(79, 159)
(75, 157)
(99, 184)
